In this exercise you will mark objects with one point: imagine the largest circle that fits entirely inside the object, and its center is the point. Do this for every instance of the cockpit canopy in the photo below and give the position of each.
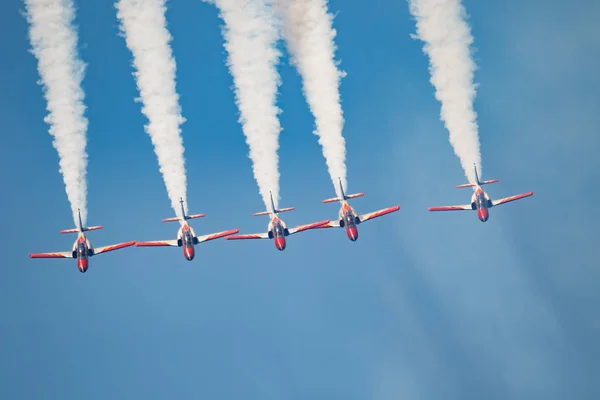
(349, 219)
(187, 239)
(81, 249)
(278, 230)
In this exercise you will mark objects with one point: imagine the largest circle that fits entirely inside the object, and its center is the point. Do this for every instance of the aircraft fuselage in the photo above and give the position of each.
(480, 202)
(348, 221)
(277, 232)
(82, 254)
(187, 243)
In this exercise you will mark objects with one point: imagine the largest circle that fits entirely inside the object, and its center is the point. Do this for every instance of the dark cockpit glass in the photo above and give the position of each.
(81, 250)
(349, 220)
(278, 230)
(481, 203)
(187, 239)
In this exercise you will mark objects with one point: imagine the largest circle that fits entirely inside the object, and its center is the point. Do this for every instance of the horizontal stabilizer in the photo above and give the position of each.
(75, 230)
(346, 197)
(466, 185)
(276, 211)
(173, 219)
(195, 216)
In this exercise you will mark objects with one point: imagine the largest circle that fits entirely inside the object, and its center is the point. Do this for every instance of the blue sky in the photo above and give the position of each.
(422, 306)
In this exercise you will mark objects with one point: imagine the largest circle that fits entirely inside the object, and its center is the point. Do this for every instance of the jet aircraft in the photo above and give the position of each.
(277, 230)
(82, 248)
(348, 218)
(480, 201)
(186, 237)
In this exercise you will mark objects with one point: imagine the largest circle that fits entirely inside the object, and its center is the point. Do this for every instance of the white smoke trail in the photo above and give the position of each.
(54, 43)
(144, 26)
(441, 25)
(251, 33)
(310, 39)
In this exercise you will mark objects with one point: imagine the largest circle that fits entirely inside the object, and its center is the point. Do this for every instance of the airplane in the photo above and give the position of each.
(480, 200)
(82, 248)
(186, 237)
(348, 218)
(277, 230)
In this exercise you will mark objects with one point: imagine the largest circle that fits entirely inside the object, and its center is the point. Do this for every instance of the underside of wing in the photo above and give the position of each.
(511, 198)
(330, 224)
(301, 228)
(158, 243)
(206, 238)
(452, 208)
(375, 214)
(66, 254)
(106, 249)
(250, 236)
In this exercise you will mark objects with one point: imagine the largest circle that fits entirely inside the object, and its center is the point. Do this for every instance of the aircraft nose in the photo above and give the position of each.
(82, 265)
(189, 253)
(483, 214)
(280, 243)
(352, 234)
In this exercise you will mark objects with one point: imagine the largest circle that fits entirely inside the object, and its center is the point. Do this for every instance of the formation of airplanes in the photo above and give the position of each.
(277, 230)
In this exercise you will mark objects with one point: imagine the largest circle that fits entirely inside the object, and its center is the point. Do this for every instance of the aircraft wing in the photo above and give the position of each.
(375, 214)
(158, 243)
(511, 198)
(206, 238)
(106, 249)
(330, 224)
(66, 254)
(301, 228)
(250, 236)
(452, 208)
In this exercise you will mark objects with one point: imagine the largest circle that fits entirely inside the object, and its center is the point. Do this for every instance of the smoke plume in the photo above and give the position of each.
(251, 33)
(442, 26)
(54, 43)
(144, 26)
(310, 40)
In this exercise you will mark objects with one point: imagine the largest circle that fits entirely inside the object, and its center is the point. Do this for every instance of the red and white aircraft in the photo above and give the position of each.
(348, 218)
(186, 237)
(277, 229)
(82, 248)
(480, 201)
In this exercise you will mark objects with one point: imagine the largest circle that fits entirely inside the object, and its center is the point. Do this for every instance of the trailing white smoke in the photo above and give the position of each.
(250, 34)
(143, 24)
(310, 40)
(441, 25)
(54, 42)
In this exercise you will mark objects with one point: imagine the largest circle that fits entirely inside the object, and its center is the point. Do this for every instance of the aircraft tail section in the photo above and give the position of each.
(76, 230)
(185, 217)
(81, 228)
(478, 181)
(344, 196)
(273, 209)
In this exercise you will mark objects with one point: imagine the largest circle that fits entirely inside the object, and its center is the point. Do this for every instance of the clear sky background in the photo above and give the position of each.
(423, 306)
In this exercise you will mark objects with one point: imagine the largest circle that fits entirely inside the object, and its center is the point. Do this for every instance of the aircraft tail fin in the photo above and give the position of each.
(344, 196)
(477, 180)
(81, 228)
(185, 217)
(273, 209)
(76, 230)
